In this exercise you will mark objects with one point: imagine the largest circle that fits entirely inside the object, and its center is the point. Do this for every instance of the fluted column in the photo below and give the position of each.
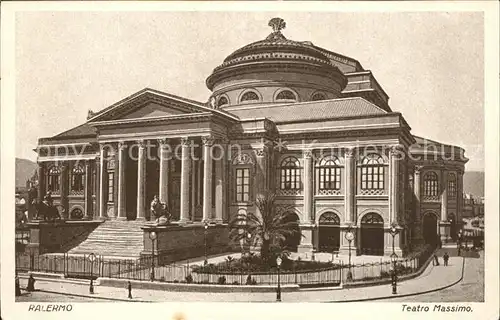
(88, 190)
(122, 159)
(207, 177)
(220, 184)
(164, 171)
(102, 182)
(41, 182)
(141, 180)
(444, 195)
(262, 172)
(65, 190)
(350, 191)
(185, 171)
(416, 204)
(459, 196)
(394, 158)
(308, 186)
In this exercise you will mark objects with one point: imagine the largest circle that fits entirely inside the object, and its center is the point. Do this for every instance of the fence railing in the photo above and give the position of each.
(142, 269)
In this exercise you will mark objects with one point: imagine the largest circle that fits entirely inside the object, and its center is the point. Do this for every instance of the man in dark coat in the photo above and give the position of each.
(31, 284)
(445, 258)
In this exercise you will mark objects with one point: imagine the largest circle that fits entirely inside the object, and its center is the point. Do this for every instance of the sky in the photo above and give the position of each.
(431, 64)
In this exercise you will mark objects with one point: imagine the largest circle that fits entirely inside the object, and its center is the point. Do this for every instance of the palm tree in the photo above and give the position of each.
(271, 226)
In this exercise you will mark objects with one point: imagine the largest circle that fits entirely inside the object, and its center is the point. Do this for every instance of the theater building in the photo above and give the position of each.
(311, 125)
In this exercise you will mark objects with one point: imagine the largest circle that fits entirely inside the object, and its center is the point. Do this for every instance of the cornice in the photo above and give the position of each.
(177, 118)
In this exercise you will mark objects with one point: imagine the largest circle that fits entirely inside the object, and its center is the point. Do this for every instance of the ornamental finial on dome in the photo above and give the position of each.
(277, 24)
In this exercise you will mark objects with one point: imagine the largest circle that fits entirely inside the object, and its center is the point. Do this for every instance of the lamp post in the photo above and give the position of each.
(249, 239)
(459, 242)
(448, 234)
(278, 291)
(205, 240)
(91, 259)
(349, 236)
(394, 257)
(152, 236)
(313, 258)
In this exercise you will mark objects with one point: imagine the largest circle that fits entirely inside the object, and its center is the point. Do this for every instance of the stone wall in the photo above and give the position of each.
(175, 242)
(60, 236)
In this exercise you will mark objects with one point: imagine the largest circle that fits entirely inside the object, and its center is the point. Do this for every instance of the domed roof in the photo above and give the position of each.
(275, 49)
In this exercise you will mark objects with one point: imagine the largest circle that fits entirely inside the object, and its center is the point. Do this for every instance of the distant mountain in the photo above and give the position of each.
(474, 183)
(24, 170)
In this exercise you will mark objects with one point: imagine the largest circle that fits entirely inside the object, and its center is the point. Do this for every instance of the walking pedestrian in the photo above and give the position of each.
(436, 260)
(445, 258)
(31, 284)
(129, 290)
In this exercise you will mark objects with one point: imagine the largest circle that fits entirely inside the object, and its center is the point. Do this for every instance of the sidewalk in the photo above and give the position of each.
(433, 278)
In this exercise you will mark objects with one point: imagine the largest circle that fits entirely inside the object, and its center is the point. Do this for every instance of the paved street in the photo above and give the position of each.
(470, 289)
(434, 277)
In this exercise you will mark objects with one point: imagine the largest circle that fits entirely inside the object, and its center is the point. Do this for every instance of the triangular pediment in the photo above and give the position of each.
(153, 110)
(149, 103)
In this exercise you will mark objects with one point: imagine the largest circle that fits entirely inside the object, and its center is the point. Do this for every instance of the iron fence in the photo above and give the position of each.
(141, 269)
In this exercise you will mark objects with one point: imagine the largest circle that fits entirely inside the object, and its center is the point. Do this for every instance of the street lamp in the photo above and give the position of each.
(448, 234)
(349, 236)
(313, 258)
(278, 292)
(394, 257)
(249, 239)
(205, 240)
(459, 242)
(91, 259)
(152, 236)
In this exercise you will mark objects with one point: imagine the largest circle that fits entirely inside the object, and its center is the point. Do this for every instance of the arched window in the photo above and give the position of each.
(372, 172)
(286, 95)
(431, 184)
(77, 179)
(290, 174)
(372, 218)
(329, 218)
(318, 96)
(452, 186)
(222, 101)
(249, 96)
(329, 173)
(54, 180)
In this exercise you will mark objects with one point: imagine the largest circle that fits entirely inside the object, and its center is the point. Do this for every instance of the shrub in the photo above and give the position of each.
(254, 282)
(176, 281)
(162, 279)
(236, 283)
(189, 278)
(221, 280)
(384, 274)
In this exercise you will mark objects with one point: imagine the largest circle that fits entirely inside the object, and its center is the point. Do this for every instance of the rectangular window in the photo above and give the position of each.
(242, 185)
(372, 178)
(111, 176)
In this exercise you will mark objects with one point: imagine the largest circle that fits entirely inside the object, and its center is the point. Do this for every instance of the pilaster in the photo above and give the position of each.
(102, 181)
(308, 214)
(350, 186)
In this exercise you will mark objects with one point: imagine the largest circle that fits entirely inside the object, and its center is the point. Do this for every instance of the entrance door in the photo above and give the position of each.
(430, 228)
(329, 232)
(372, 234)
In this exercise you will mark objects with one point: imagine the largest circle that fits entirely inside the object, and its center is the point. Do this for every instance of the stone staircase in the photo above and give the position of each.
(113, 238)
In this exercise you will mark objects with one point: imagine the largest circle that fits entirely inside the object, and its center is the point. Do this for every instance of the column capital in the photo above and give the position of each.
(208, 140)
(308, 153)
(418, 169)
(102, 147)
(396, 149)
(122, 145)
(141, 143)
(350, 152)
(163, 142)
(261, 152)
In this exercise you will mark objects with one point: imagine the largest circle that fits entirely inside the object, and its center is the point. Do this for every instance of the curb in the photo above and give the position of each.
(88, 296)
(407, 294)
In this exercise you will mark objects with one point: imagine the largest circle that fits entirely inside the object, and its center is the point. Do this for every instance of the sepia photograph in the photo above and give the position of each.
(196, 153)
